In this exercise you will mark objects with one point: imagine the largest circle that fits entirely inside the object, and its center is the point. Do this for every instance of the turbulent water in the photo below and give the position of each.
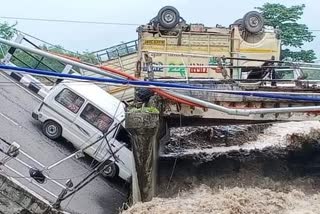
(282, 178)
(233, 201)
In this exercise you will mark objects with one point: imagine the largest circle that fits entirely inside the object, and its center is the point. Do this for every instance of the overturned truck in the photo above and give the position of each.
(171, 48)
(237, 68)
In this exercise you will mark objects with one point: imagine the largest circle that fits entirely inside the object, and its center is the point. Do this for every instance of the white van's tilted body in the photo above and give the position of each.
(81, 113)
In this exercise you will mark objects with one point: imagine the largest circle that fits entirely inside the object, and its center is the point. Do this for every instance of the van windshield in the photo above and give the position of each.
(96, 118)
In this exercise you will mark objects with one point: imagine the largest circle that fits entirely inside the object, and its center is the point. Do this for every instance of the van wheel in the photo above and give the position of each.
(52, 129)
(110, 170)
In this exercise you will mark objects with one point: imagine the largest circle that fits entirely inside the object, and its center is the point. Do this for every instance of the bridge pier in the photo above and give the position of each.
(144, 128)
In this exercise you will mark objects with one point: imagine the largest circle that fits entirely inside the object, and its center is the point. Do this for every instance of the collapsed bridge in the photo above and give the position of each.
(200, 76)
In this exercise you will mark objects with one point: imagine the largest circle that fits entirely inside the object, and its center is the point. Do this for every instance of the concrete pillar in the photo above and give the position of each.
(144, 129)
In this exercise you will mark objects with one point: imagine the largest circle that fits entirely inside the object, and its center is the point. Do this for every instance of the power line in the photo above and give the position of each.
(45, 42)
(84, 22)
(48, 43)
(69, 21)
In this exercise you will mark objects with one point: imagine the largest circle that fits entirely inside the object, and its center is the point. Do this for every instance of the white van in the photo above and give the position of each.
(81, 113)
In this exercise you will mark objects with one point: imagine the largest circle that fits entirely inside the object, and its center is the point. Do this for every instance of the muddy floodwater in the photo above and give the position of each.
(239, 169)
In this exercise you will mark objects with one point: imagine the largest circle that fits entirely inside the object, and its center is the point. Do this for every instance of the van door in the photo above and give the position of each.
(89, 126)
(63, 108)
(122, 139)
(124, 158)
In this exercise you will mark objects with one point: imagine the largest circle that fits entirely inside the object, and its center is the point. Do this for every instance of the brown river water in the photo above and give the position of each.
(276, 169)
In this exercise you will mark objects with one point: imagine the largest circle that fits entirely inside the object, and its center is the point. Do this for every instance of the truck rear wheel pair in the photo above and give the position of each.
(168, 17)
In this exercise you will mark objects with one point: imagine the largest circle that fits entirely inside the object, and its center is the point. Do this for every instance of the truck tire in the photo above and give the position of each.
(110, 170)
(253, 22)
(168, 17)
(238, 22)
(52, 129)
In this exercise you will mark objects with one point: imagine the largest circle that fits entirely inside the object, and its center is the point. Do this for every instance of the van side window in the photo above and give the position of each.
(96, 118)
(70, 100)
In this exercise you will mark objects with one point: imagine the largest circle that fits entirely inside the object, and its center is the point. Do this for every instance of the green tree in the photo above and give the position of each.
(293, 34)
(88, 57)
(6, 32)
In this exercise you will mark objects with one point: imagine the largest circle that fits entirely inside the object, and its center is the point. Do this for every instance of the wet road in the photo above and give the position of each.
(16, 124)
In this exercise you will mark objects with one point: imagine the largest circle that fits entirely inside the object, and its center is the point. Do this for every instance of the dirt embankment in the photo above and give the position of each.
(277, 172)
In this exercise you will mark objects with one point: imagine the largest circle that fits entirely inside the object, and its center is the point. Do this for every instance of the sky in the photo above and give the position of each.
(90, 37)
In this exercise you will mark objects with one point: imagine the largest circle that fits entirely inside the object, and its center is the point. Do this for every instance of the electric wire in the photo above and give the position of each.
(139, 83)
(175, 160)
(84, 21)
(47, 43)
(77, 54)
(101, 146)
(50, 178)
(159, 91)
(264, 94)
(65, 178)
(114, 115)
(92, 175)
(70, 21)
(29, 177)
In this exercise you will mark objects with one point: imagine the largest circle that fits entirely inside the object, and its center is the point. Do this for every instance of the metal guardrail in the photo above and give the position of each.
(38, 61)
(116, 51)
(7, 158)
(26, 59)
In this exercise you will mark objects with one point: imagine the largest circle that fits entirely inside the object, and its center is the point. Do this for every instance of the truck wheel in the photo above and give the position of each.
(238, 22)
(52, 129)
(253, 22)
(110, 170)
(168, 17)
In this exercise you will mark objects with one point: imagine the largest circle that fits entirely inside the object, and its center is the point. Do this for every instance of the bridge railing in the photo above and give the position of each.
(22, 58)
(116, 51)
(9, 162)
